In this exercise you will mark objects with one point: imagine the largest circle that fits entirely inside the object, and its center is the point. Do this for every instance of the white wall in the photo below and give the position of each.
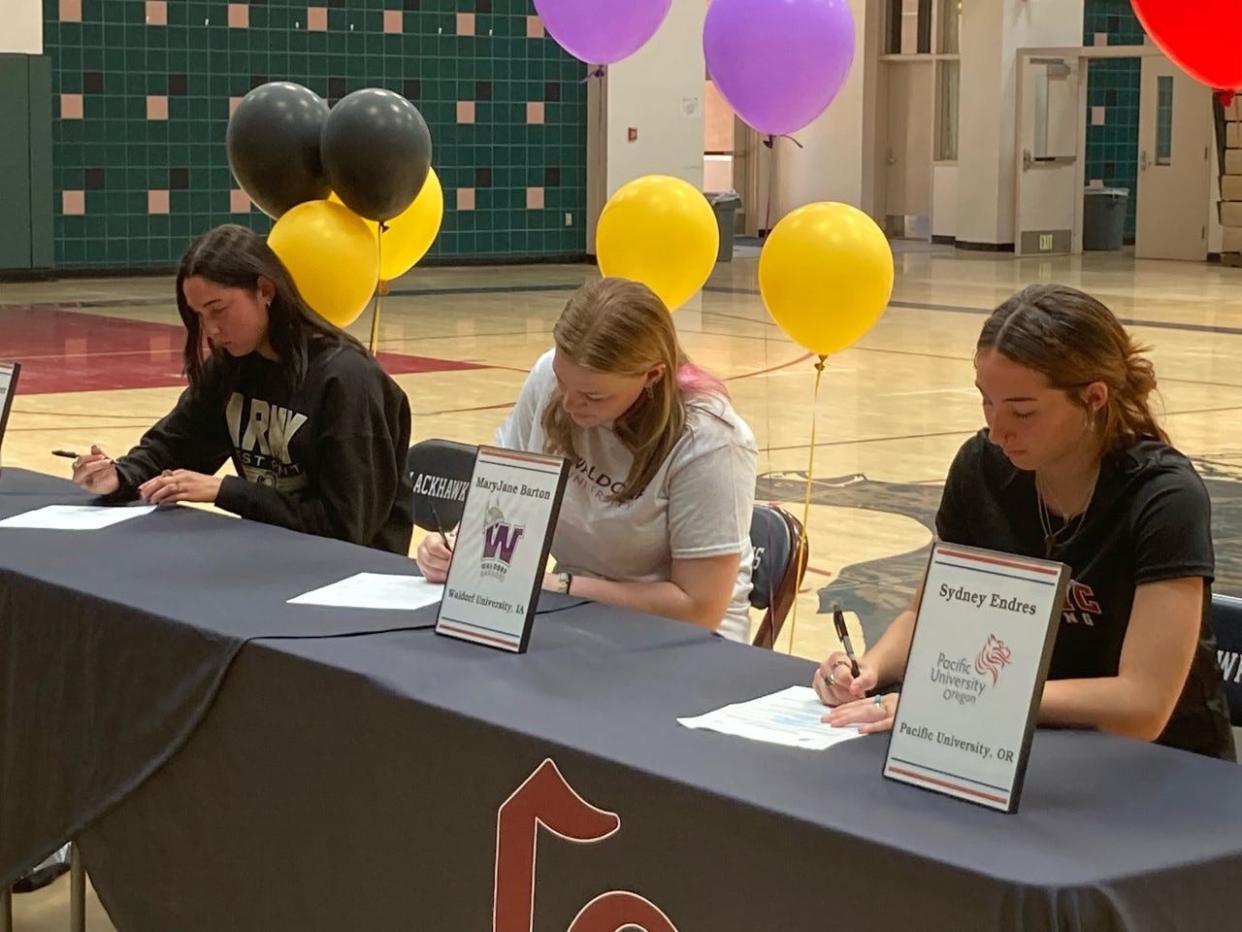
(944, 200)
(1216, 233)
(836, 161)
(659, 92)
(992, 33)
(22, 26)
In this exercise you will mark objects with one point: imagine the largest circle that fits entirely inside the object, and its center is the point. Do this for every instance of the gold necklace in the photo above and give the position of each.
(1051, 538)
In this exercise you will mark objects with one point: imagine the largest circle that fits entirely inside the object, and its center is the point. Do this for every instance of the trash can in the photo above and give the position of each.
(725, 204)
(1104, 219)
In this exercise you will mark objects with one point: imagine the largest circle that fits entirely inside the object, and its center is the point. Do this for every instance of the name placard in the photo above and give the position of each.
(9, 371)
(978, 661)
(501, 553)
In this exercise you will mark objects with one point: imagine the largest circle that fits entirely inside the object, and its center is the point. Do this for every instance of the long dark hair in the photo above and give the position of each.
(235, 257)
(1074, 340)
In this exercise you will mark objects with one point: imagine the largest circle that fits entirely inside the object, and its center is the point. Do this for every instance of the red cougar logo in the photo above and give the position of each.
(994, 657)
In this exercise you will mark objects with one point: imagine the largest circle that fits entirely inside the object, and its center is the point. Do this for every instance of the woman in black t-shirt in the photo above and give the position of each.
(1073, 467)
(317, 431)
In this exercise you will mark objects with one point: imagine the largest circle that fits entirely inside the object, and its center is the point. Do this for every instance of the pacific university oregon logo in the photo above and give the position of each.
(993, 658)
(500, 541)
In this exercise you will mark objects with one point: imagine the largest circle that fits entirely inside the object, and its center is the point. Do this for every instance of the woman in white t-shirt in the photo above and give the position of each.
(656, 516)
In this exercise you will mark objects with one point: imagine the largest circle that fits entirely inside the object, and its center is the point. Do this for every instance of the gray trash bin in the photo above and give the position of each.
(725, 204)
(1104, 219)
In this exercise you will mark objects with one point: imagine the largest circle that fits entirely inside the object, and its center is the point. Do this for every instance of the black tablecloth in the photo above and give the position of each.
(354, 783)
(113, 643)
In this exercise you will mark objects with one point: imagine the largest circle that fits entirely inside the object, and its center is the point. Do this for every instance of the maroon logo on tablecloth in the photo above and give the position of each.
(546, 801)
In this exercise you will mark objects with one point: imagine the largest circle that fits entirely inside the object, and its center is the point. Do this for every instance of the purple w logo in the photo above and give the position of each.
(500, 540)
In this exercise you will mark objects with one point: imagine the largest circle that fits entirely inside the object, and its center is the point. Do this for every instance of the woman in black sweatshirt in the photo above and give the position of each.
(317, 431)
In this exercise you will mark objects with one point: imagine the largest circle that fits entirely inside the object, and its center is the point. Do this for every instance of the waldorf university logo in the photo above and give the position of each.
(500, 540)
(993, 658)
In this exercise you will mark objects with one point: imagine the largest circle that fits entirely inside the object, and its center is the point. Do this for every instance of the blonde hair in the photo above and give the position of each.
(621, 327)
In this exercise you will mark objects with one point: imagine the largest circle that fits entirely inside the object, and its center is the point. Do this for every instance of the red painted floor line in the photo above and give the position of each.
(64, 351)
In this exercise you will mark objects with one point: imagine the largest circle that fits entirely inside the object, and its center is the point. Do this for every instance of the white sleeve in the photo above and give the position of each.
(518, 430)
(710, 501)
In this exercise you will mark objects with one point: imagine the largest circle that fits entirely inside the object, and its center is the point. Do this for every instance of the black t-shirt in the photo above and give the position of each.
(1149, 520)
(326, 457)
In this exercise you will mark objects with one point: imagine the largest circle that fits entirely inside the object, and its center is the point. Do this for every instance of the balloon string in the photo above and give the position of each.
(379, 287)
(806, 502)
(770, 143)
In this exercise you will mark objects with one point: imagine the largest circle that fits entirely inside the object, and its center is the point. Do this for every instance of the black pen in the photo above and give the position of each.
(66, 454)
(838, 619)
(440, 527)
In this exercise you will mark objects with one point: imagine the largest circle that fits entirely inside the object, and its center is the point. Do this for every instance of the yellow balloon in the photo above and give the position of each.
(826, 274)
(662, 232)
(331, 255)
(411, 234)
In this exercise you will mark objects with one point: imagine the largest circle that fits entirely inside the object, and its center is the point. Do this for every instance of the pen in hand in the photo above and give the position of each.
(440, 527)
(838, 620)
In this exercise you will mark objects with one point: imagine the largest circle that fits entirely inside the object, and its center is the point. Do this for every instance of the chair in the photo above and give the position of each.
(77, 896)
(781, 554)
(440, 471)
(1227, 622)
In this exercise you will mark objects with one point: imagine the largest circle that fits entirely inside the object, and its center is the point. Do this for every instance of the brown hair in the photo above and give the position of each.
(236, 257)
(623, 328)
(1074, 340)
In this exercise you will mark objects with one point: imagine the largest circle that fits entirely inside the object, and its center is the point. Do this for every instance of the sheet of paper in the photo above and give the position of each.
(375, 590)
(75, 517)
(790, 717)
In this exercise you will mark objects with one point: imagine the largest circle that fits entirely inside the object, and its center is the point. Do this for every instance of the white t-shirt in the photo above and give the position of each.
(698, 505)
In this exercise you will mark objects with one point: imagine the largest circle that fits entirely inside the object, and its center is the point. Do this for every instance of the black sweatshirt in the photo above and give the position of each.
(325, 458)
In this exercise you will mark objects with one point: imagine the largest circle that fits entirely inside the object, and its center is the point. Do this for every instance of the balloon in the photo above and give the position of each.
(1204, 37)
(331, 256)
(273, 145)
(602, 32)
(377, 152)
(662, 232)
(779, 63)
(411, 234)
(826, 274)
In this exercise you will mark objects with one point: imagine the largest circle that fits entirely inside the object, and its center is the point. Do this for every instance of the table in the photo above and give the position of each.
(362, 779)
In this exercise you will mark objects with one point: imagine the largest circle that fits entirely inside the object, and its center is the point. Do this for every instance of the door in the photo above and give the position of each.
(1049, 176)
(908, 172)
(1175, 139)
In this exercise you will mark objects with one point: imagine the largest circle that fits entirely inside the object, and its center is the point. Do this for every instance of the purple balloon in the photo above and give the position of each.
(601, 32)
(779, 63)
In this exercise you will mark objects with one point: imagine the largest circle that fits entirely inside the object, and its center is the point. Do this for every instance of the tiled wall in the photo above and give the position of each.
(143, 91)
(1113, 101)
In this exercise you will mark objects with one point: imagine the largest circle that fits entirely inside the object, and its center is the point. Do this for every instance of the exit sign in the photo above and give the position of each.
(1045, 242)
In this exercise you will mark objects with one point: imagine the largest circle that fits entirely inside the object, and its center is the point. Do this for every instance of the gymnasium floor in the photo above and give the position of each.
(101, 361)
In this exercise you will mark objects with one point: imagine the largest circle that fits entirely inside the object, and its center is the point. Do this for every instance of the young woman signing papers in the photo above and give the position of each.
(656, 516)
(1073, 467)
(317, 431)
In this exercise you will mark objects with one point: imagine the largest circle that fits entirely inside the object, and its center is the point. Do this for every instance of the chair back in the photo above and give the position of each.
(440, 471)
(781, 553)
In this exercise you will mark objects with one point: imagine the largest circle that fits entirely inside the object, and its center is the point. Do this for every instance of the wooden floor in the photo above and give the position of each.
(101, 360)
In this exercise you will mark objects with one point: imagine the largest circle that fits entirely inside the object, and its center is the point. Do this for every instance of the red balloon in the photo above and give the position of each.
(1204, 37)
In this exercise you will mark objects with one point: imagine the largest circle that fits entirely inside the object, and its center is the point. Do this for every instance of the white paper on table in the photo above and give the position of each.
(790, 717)
(76, 517)
(375, 590)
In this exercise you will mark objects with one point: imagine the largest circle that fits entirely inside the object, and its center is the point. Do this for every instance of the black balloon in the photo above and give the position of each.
(377, 152)
(273, 142)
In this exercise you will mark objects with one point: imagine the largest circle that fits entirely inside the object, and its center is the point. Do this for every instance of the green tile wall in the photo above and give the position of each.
(525, 176)
(1112, 149)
